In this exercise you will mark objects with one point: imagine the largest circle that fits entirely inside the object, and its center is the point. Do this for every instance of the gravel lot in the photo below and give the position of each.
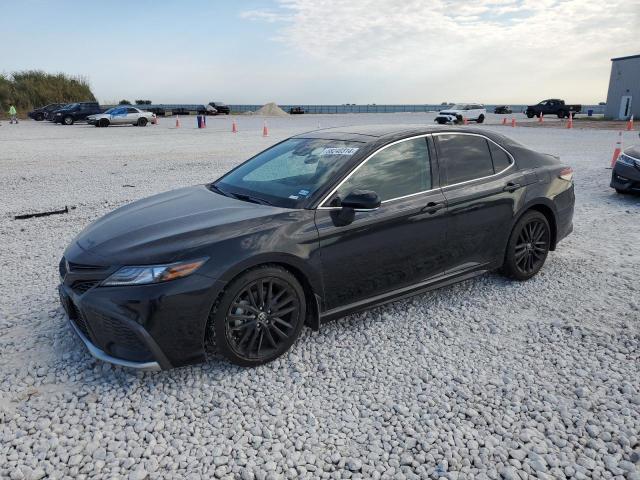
(484, 379)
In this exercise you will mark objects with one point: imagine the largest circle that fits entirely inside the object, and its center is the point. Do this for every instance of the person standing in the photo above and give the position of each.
(13, 114)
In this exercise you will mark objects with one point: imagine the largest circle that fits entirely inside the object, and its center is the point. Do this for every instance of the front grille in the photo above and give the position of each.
(83, 286)
(122, 335)
(78, 267)
(76, 317)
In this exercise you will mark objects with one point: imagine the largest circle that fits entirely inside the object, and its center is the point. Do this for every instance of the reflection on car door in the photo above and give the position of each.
(118, 116)
(132, 115)
(481, 186)
(397, 245)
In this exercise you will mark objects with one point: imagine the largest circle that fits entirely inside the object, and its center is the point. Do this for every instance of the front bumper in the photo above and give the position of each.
(148, 327)
(625, 177)
(446, 118)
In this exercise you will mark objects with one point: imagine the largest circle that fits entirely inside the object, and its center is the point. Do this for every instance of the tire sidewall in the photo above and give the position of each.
(510, 268)
(219, 312)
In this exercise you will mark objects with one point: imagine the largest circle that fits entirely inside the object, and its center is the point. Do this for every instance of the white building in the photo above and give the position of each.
(623, 99)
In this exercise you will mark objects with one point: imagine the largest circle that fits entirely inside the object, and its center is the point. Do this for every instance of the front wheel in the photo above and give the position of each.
(259, 316)
(68, 120)
(480, 119)
(142, 122)
(528, 246)
(529, 115)
(103, 122)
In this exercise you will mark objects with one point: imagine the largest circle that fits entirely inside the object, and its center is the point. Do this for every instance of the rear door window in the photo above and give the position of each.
(464, 157)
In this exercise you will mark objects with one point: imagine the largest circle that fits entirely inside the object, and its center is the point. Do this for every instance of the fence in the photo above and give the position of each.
(373, 108)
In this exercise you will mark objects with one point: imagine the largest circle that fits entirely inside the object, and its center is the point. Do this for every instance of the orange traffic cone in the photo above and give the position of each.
(234, 127)
(265, 130)
(465, 121)
(504, 121)
(618, 150)
(513, 122)
(630, 123)
(570, 122)
(541, 118)
(177, 121)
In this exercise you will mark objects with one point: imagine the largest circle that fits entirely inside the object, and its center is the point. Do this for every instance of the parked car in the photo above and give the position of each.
(503, 109)
(220, 108)
(296, 111)
(75, 112)
(317, 226)
(121, 115)
(457, 113)
(552, 106)
(41, 113)
(625, 177)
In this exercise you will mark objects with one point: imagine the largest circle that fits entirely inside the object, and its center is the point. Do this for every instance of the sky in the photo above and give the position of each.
(325, 51)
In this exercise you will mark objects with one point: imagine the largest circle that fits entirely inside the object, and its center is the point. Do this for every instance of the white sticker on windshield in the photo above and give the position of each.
(339, 151)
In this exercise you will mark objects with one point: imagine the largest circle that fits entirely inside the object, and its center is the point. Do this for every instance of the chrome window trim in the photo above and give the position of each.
(424, 135)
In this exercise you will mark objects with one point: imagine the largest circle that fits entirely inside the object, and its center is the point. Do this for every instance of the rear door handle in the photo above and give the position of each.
(433, 207)
(511, 187)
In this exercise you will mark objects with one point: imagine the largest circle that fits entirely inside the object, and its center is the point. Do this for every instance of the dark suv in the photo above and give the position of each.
(75, 112)
(221, 108)
(41, 113)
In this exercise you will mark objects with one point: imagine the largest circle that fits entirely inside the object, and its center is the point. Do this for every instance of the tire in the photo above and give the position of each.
(621, 192)
(561, 115)
(480, 119)
(441, 122)
(243, 324)
(529, 115)
(68, 120)
(39, 117)
(103, 122)
(528, 246)
(142, 122)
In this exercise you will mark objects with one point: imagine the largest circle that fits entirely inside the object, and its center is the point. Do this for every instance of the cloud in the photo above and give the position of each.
(450, 43)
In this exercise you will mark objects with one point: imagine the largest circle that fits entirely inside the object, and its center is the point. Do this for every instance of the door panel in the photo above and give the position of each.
(398, 244)
(480, 203)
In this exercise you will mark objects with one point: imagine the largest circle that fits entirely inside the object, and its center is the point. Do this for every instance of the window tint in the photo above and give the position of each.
(465, 157)
(500, 158)
(399, 170)
(131, 110)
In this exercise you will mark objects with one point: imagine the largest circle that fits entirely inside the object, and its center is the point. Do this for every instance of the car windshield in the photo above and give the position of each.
(459, 106)
(288, 173)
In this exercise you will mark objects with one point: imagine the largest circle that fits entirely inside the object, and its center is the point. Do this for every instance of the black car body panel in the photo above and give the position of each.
(625, 176)
(409, 244)
(42, 113)
(75, 111)
(221, 108)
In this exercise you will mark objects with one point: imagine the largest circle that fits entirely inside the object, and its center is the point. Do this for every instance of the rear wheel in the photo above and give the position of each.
(480, 119)
(142, 122)
(39, 117)
(68, 120)
(528, 246)
(561, 115)
(259, 316)
(529, 115)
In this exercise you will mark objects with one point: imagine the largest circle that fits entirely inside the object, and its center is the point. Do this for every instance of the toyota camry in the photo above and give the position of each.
(318, 226)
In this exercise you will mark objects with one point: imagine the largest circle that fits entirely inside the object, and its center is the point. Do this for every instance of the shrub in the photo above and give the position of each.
(143, 102)
(124, 102)
(29, 89)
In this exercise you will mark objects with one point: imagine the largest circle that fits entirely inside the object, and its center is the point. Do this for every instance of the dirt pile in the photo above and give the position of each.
(271, 110)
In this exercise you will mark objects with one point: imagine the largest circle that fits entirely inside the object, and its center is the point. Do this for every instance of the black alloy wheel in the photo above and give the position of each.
(259, 316)
(528, 246)
(68, 120)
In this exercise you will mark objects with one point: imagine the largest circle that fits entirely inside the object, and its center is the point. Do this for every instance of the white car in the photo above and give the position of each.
(121, 115)
(458, 113)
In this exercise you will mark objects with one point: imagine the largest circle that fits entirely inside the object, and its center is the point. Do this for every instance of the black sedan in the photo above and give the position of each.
(315, 227)
(625, 177)
(41, 113)
(502, 110)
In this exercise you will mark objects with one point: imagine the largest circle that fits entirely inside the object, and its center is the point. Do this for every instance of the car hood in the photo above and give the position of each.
(167, 227)
(633, 151)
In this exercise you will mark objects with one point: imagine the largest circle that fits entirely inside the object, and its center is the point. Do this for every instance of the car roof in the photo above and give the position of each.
(375, 133)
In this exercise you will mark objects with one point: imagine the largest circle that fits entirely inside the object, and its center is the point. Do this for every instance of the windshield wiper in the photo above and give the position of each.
(250, 198)
(217, 189)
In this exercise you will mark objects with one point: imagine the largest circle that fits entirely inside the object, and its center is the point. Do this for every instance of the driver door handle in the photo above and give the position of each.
(433, 207)
(511, 187)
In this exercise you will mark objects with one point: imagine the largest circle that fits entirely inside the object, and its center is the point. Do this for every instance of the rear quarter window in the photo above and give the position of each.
(500, 158)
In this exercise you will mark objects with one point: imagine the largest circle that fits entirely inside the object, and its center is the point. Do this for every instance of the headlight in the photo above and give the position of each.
(146, 274)
(58, 114)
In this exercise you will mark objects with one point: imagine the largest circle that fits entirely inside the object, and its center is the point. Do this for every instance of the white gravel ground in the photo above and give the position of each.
(485, 379)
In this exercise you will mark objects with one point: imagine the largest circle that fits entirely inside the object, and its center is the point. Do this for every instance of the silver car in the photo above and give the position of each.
(121, 115)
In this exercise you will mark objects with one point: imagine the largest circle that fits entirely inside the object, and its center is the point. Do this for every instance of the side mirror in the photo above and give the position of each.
(361, 200)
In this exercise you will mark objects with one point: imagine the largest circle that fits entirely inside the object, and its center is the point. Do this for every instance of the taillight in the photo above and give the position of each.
(566, 174)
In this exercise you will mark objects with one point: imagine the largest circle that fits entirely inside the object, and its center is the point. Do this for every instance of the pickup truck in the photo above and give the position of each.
(74, 112)
(553, 106)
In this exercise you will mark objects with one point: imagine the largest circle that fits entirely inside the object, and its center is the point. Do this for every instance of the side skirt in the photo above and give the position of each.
(399, 294)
